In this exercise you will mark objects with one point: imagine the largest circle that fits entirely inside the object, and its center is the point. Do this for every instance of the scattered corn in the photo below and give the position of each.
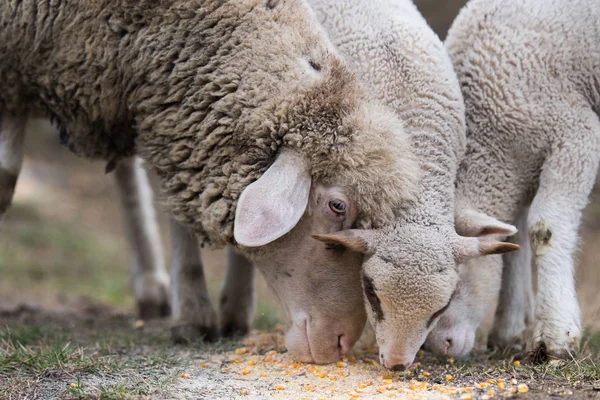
(322, 375)
(381, 389)
(501, 386)
(449, 378)
(522, 388)
(241, 350)
(513, 381)
(451, 361)
(517, 363)
(203, 365)
(279, 386)
(244, 392)
(491, 392)
(332, 377)
(263, 373)
(386, 381)
(245, 371)
(184, 375)
(308, 388)
(425, 374)
(73, 385)
(364, 385)
(252, 362)
(466, 396)
(341, 364)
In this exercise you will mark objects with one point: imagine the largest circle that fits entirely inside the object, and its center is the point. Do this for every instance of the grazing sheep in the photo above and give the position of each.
(246, 113)
(530, 74)
(410, 271)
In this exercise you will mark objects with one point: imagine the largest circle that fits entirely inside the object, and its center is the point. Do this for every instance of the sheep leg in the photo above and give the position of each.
(237, 295)
(149, 277)
(12, 134)
(515, 311)
(193, 313)
(567, 178)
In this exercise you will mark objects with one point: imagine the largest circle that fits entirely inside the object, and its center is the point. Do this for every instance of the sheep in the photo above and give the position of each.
(410, 270)
(258, 131)
(530, 72)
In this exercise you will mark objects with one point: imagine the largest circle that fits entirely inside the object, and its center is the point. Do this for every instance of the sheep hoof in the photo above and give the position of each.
(507, 347)
(188, 333)
(234, 329)
(152, 309)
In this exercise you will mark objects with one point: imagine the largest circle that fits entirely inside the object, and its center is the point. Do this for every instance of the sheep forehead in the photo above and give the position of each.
(415, 249)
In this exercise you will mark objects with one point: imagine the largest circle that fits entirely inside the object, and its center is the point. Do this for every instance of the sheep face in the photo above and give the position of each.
(409, 278)
(318, 285)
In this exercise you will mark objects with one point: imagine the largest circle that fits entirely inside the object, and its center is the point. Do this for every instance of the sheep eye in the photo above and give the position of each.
(337, 206)
(440, 311)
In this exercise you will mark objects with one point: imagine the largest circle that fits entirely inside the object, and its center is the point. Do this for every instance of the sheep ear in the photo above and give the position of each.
(474, 224)
(272, 205)
(465, 248)
(359, 240)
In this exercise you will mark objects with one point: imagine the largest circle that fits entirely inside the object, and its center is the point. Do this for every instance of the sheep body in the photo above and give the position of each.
(162, 75)
(247, 114)
(530, 74)
(411, 272)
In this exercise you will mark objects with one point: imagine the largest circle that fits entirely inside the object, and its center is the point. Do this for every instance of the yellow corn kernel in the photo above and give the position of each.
(466, 396)
(517, 363)
(412, 387)
(513, 381)
(252, 362)
(203, 365)
(490, 381)
(491, 392)
(268, 358)
(513, 390)
(279, 386)
(381, 389)
(308, 388)
(271, 353)
(500, 380)
(303, 398)
(425, 374)
(501, 386)
(449, 378)
(244, 392)
(332, 377)
(386, 381)
(241, 350)
(225, 369)
(322, 375)
(319, 369)
(245, 371)
(341, 373)
(263, 373)
(451, 361)
(522, 388)
(341, 364)
(364, 385)
(483, 385)
(73, 385)
(184, 375)
(287, 372)
(435, 387)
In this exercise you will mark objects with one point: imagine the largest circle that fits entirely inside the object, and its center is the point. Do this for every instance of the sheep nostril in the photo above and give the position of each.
(340, 342)
(448, 344)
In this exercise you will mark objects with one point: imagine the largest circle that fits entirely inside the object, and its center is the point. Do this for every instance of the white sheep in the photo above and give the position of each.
(530, 75)
(410, 270)
(247, 115)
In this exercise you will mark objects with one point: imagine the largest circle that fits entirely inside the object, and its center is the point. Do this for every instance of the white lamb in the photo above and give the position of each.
(410, 270)
(530, 75)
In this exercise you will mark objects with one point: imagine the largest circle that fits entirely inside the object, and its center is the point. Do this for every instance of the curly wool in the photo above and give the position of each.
(407, 64)
(206, 92)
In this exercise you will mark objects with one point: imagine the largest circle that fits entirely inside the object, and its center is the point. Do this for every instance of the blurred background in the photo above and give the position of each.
(63, 235)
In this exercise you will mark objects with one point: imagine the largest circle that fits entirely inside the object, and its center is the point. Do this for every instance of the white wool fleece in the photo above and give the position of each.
(410, 272)
(530, 75)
